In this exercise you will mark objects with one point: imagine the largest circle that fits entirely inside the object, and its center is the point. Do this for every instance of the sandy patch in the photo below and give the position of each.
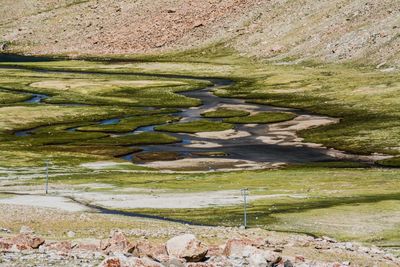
(249, 108)
(44, 202)
(195, 164)
(285, 133)
(223, 135)
(104, 164)
(165, 200)
(202, 144)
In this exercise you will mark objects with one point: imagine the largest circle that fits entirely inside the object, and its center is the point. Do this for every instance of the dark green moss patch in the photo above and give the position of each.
(195, 127)
(262, 118)
(225, 113)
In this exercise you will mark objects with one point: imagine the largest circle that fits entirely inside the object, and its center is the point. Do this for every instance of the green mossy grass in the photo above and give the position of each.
(135, 139)
(225, 113)
(262, 118)
(195, 127)
(130, 124)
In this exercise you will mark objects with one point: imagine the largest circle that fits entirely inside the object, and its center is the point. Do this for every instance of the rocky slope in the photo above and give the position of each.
(329, 30)
(181, 251)
(34, 236)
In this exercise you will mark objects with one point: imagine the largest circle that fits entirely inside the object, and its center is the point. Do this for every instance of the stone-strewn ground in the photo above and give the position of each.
(49, 237)
(338, 30)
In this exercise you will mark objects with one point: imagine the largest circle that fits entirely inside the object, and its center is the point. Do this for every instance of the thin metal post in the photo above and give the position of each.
(245, 192)
(47, 177)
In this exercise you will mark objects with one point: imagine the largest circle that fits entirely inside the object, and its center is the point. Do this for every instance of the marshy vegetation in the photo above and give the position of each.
(68, 128)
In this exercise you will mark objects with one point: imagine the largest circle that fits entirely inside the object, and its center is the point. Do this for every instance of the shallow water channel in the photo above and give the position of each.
(266, 143)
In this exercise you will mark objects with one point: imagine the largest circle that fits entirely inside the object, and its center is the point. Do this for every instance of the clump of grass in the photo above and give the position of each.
(225, 113)
(136, 139)
(130, 124)
(262, 118)
(195, 127)
(392, 162)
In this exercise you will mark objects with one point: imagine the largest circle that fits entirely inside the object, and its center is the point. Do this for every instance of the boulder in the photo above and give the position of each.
(5, 244)
(112, 262)
(243, 250)
(26, 241)
(88, 246)
(155, 252)
(186, 247)
(62, 248)
(117, 243)
(143, 262)
(122, 261)
(235, 246)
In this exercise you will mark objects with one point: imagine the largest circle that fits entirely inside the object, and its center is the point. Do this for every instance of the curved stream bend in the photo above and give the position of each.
(271, 143)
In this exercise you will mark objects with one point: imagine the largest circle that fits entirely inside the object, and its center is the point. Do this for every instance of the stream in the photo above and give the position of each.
(263, 143)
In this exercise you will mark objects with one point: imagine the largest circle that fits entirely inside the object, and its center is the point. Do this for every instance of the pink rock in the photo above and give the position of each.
(143, 262)
(112, 262)
(145, 249)
(235, 246)
(5, 244)
(186, 247)
(26, 241)
(63, 247)
(117, 243)
(93, 247)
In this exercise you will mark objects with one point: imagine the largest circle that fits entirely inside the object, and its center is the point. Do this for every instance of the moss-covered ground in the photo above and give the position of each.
(195, 127)
(262, 118)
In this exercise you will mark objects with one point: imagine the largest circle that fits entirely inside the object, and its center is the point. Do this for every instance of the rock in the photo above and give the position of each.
(71, 234)
(277, 48)
(26, 230)
(219, 261)
(5, 245)
(5, 230)
(145, 249)
(245, 249)
(93, 246)
(143, 262)
(288, 263)
(299, 258)
(112, 262)
(63, 248)
(186, 247)
(26, 241)
(174, 262)
(257, 260)
(198, 24)
(328, 239)
(235, 246)
(117, 242)
(349, 246)
(3, 46)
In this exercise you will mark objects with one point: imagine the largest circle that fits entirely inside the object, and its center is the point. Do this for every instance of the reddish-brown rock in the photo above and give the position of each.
(63, 247)
(186, 247)
(155, 252)
(26, 241)
(117, 243)
(5, 244)
(111, 262)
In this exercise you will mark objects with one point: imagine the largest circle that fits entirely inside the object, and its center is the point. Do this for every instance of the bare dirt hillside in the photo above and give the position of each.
(329, 30)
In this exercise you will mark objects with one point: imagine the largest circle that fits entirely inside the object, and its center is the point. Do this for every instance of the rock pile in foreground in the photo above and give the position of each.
(180, 251)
